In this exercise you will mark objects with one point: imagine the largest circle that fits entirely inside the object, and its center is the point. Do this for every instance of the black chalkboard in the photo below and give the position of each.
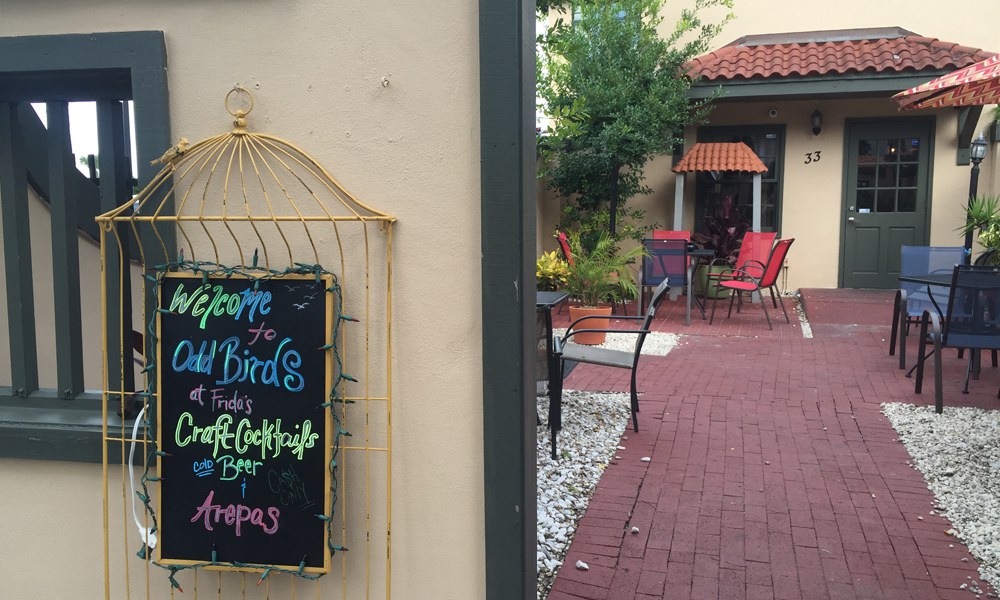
(242, 380)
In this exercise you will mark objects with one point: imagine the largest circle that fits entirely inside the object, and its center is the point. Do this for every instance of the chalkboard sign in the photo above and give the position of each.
(246, 440)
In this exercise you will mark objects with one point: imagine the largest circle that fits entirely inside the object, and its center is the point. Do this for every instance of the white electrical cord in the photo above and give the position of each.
(146, 533)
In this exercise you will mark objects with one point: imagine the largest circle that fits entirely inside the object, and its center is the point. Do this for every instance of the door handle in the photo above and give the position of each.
(850, 219)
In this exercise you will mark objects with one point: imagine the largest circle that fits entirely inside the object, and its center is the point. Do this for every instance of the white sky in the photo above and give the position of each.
(83, 130)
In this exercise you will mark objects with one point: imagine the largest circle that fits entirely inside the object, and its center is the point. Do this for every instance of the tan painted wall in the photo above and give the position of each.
(410, 149)
(812, 194)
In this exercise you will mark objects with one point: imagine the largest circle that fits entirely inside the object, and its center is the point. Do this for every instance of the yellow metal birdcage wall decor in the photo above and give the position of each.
(246, 302)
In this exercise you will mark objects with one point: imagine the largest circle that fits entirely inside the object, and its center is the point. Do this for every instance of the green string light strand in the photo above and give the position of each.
(209, 270)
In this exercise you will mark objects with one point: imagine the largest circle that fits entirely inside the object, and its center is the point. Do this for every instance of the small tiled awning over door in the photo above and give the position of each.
(718, 156)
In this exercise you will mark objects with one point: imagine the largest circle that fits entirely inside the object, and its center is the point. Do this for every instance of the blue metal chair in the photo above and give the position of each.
(913, 299)
(668, 259)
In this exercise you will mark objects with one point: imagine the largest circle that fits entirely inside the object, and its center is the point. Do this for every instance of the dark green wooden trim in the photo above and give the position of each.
(65, 254)
(856, 84)
(83, 52)
(507, 152)
(67, 431)
(17, 254)
(36, 160)
(968, 119)
(53, 428)
(114, 188)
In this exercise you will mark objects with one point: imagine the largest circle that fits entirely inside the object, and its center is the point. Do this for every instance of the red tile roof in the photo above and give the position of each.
(816, 53)
(720, 156)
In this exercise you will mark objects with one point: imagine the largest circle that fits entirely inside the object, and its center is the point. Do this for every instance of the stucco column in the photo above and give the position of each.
(679, 202)
(756, 202)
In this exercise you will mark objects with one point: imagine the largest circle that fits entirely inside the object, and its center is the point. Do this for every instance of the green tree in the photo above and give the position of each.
(617, 94)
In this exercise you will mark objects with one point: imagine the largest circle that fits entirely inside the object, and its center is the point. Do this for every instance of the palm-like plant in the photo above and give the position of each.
(602, 274)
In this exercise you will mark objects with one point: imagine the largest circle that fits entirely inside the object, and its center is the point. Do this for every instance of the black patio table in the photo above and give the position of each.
(930, 280)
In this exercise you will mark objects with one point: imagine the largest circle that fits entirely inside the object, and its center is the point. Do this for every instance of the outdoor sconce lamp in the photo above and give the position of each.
(816, 120)
(977, 152)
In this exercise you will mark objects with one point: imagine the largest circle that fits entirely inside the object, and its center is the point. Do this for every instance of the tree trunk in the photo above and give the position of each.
(614, 198)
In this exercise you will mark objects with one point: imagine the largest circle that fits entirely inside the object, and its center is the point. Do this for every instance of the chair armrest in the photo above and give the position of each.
(558, 343)
(738, 274)
(935, 322)
(622, 318)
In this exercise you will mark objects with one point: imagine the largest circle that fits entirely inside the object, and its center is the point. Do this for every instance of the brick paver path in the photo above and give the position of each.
(773, 473)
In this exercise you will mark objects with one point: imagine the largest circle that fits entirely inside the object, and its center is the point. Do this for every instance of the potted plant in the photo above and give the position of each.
(598, 276)
(722, 232)
(551, 272)
(983, 217)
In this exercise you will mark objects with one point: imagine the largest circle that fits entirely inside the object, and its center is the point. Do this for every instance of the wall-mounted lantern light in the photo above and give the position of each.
(816, 120)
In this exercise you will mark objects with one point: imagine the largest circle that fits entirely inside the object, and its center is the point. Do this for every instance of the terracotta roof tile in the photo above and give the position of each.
(719, 156)
(884, 50)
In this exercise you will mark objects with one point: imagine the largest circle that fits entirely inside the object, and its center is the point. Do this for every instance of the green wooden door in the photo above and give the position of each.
(887, 199)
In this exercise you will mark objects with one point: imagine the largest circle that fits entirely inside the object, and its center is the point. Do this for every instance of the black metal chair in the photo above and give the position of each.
(567, 351)
(972, 322)
(913, 299)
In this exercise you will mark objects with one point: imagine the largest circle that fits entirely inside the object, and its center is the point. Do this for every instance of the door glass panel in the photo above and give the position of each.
(909, 149)
(866, 177)
(887, 176)
(907, 200)
(888, 150)
(886, 201)
(866, 200)
(908, 175)
(866, 152)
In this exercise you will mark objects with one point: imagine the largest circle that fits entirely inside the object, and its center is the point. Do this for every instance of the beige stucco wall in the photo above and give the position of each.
(410, 149)
(812, 194)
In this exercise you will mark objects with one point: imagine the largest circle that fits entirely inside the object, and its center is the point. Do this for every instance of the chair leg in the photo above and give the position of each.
(733, 295)
(938, 396)
(968, 372)
(635, 404)
(763, 305)
(555, 405)
(774, 293)
(895, 325)
(904, 327)
(715, 300)
(919, 382)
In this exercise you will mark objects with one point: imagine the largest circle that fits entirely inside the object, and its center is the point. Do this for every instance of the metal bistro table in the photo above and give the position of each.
(930, 280)
(700, 255)
(544, 303)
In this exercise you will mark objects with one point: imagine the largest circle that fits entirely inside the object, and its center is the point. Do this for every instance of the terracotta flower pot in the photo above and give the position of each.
(590, 339)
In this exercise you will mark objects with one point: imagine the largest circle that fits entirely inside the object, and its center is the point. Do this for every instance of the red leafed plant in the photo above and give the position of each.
(724, 231)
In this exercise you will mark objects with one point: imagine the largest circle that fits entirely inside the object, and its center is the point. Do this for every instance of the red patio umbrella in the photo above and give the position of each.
(974, 85)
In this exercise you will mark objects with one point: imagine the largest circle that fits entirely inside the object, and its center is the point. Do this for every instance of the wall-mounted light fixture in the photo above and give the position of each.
(816, 120)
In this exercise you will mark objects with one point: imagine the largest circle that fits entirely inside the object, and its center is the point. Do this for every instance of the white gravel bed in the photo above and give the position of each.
(656, 344)
(592, 425)
(958, 453)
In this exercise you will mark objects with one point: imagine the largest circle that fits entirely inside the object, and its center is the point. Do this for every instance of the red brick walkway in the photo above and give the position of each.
(773, 472)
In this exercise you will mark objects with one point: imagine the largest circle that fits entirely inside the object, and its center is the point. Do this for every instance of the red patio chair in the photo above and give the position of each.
(755, 247)
(754, 277)
(564, 246)
(667, 234)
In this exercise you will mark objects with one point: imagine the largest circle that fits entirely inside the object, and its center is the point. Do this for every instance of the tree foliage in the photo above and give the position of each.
(617, 94)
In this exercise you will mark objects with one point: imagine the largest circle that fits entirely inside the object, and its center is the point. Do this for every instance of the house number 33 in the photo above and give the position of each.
(812, 157)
